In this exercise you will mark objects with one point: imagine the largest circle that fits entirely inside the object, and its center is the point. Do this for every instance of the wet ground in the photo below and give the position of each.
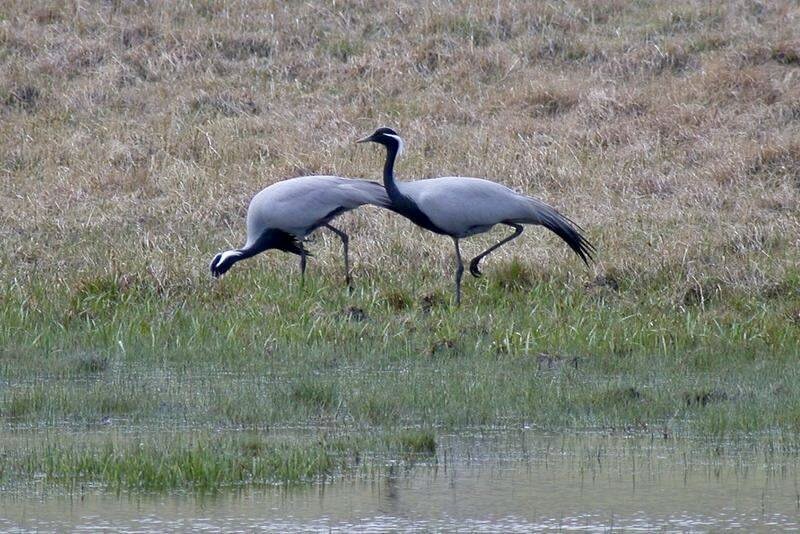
(501, 481)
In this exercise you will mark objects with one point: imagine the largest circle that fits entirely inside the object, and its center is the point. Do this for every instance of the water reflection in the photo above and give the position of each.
(500, 482)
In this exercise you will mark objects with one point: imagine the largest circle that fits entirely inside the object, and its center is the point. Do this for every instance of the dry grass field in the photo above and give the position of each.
(133, 133)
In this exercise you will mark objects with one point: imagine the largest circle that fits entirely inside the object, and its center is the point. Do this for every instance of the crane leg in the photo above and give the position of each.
(345, 241)
(302, 268)
(459, 272)
(473, 265)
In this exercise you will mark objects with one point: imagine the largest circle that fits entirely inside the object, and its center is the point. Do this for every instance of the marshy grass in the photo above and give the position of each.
(131, 141)
(417, 442)
(199, 463)
(202, 461)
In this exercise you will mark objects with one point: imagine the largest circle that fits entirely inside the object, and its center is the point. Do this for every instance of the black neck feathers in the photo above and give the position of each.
(401, 203)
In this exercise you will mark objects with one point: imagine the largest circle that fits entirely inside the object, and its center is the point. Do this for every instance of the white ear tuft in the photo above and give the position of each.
(400, 144)
(227, 254)
(215, 260)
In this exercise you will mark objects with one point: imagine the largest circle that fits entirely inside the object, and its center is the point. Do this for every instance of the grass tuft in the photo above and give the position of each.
(551, 101)
(24, 403)
(617, 397)
(517, 275)
(432, 301)
(240, 48)
(355, 314)
(201, 463)
(90, 363)
(315, 394)
(786, 53)
(25, 97)
(704, 396)
(443, 348)
(97, 296)
(397, 300)
(700, 292)
(417, 442)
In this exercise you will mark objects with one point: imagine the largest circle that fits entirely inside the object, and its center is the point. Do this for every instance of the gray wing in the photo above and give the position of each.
(354, 193)
(467, 206)
(299, 204)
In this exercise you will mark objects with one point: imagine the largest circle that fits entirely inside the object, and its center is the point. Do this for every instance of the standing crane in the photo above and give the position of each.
(283, 214)
(462, 207)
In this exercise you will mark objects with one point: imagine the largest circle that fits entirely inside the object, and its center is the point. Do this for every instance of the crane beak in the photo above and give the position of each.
(365, 139)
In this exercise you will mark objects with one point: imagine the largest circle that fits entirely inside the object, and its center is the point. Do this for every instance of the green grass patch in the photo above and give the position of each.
(417, 441)
(198, 463)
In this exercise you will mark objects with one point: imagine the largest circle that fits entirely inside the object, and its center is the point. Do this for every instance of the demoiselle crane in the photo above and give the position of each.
(283, 214)
(462, 207)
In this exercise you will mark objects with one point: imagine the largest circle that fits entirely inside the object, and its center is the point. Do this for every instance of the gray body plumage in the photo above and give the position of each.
(461, 207)
(283, 214)
(299, 206)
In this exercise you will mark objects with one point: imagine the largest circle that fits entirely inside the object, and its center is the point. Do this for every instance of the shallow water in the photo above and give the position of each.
(492, 482)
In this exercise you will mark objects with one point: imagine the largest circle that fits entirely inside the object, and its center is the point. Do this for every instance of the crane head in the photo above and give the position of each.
(223, 261)
(386, 137)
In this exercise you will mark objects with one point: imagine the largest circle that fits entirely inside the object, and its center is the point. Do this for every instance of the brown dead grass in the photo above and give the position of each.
(141, 132)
